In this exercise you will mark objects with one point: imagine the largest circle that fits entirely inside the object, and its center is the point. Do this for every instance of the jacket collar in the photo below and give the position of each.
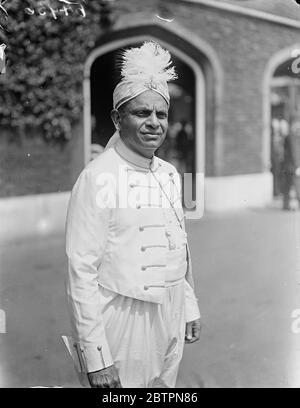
(134, 158)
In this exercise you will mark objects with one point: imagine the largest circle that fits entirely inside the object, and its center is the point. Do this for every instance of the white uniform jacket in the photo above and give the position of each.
(117, 237)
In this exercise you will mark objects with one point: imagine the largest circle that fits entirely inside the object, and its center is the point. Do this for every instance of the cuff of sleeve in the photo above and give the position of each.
(96, 356)
(192, 311)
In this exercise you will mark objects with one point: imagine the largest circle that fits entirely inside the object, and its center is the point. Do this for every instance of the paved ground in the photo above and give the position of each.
(246, 268)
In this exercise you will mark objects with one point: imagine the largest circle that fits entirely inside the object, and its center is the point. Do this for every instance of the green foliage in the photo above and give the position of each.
(42, 86)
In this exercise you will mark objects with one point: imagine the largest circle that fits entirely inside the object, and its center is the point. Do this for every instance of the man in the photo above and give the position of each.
(295, 144)
(290, 165)
(129, 281)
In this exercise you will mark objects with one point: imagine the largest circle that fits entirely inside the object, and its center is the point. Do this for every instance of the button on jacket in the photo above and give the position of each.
(124, 216)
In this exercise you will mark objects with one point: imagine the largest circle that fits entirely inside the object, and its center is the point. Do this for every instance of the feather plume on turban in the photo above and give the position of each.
(144, 68)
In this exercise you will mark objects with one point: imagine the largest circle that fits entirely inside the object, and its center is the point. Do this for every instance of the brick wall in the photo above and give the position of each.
(31, 166)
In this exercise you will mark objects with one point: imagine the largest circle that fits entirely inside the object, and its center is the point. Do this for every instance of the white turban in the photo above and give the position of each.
(144, 68)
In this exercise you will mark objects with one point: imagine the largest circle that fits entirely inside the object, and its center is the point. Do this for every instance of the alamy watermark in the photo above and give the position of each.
(295, 326)
(2, 321)
(296, 63)
(136, 190)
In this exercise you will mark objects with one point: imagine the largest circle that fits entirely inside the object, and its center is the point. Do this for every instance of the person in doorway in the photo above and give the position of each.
(277, 150)
(184, 146)
(295, 147)
(129, 280)
(290, 166)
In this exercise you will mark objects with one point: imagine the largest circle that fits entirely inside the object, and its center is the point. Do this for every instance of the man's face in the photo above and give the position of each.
(143, 122)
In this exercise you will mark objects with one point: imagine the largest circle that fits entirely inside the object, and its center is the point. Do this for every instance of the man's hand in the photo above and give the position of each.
(192, 331)
(106, 378)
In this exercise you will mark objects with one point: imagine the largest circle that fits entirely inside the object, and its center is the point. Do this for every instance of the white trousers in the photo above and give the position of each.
(146, 339)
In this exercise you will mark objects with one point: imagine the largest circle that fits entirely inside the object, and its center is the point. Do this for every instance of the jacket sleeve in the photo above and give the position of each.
(86, 235)
(192, 311)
